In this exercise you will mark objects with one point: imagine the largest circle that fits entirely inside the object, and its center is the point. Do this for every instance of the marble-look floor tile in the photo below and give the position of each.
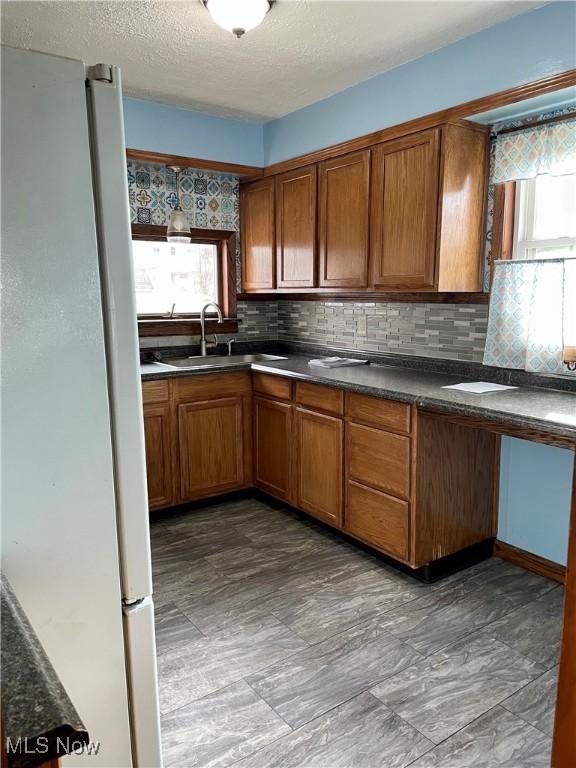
(517, 584)
(228, 606)
(442, 693)
(534, 629)
(173, 628)
(193, 670)
(191, 581)
(340, 605)
(249, 559)
(177, 554)
(311, 682)
(536, 702)
(440, 617)
(498, 739)
(362, 733)
(219, 729)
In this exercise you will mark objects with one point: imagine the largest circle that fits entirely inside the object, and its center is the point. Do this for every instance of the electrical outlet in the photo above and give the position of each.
(362, 326)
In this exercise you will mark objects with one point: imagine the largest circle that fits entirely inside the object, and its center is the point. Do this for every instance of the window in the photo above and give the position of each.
(175, 280)
(545, 218)
(178, 278)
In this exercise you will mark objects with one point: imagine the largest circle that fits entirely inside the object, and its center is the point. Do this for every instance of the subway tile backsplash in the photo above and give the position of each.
(455, 331)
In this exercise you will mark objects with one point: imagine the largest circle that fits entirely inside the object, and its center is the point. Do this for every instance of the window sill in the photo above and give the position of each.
(184, 327)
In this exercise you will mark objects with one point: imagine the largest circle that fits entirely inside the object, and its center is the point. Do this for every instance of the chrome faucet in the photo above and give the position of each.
(203, 344)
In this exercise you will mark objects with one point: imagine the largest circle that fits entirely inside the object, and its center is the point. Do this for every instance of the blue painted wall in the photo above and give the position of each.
(174, 131)
(528, 47)
(535, 492)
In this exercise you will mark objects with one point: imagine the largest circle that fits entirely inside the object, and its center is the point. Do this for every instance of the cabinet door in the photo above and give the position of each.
(272, 442)
(343, 221)
(296, 228)
(158, 439)
(211, 441)
(405, 179)
(319, 465)
(257, 231)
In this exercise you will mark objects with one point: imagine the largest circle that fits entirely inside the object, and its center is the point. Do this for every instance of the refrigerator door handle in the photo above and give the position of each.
(121, 332)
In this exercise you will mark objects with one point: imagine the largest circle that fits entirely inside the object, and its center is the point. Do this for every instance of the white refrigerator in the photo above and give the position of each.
(75, 535)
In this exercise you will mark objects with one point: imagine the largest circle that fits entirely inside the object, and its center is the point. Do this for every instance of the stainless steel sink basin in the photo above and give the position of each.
(218, 360)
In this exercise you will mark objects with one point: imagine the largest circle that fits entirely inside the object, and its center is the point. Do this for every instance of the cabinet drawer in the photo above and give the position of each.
(274, 386)
(379, 459)
(387, 414)
(377, 519)
(155, 392)
(321, 398)
(210, 385)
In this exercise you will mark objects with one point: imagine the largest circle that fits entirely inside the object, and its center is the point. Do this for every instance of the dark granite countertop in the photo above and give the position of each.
(35, 707)
(547, 410)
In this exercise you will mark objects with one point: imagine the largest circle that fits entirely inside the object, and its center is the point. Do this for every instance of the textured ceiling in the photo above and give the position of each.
(303, 52)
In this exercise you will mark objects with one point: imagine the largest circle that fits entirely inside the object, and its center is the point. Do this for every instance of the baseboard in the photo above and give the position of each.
(531, 562)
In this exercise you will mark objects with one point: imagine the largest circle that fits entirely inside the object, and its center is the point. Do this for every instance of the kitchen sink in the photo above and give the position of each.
(218, 360)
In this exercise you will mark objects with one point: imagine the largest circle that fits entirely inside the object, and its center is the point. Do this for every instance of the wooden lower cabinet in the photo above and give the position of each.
(211, 447)
(319, 451)
(273, 447)
(158, 441)
(420, 495)
(413, 484)
(198, 437)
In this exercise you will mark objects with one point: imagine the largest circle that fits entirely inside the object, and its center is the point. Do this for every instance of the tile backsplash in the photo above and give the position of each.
(211, 201)
(455, 331)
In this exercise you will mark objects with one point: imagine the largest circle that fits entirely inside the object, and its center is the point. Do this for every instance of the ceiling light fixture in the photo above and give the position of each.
(238, 16)
(178, 230)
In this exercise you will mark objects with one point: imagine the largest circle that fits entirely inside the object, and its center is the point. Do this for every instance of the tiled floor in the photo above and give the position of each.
(282, 646)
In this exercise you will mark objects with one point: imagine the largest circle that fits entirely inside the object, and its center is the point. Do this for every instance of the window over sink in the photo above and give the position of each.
(175, 278)
(174, 281)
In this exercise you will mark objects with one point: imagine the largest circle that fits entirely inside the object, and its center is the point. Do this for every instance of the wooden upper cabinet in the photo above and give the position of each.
(428, 197)
(296, 228)
(343, 211)
(464, 195)
(257, 223)
(405, 211)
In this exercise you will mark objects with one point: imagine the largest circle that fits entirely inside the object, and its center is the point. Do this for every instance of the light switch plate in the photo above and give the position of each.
(362, 326)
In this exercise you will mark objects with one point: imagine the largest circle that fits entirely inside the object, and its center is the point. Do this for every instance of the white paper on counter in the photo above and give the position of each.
(479, 387)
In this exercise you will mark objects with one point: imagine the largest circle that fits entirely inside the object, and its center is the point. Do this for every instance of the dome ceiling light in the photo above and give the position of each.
(238, 16)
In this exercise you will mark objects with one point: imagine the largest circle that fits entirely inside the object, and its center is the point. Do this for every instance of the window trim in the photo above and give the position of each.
(189, 324)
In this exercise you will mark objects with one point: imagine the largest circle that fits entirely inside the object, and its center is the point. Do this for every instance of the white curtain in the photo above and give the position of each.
(530, 152)
(532, 315)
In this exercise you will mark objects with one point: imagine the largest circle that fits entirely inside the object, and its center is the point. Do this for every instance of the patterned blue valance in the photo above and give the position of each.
(532, 315)
(530, 152)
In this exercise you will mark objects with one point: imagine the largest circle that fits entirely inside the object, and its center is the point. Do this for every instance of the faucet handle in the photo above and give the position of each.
(230, 342)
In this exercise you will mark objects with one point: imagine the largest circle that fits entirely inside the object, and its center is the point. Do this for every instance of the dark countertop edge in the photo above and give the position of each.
(424, 401)
(472, 370)
(176, 373)
(28, 681)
